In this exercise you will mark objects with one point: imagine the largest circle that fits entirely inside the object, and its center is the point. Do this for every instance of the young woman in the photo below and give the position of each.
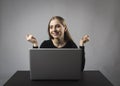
(59, 37)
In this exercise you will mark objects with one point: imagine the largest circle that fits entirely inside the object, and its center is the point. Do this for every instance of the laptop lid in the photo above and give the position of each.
(55, 64)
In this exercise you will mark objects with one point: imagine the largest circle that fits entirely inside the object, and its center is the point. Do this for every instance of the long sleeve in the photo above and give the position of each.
(83, 57)
(35, 47)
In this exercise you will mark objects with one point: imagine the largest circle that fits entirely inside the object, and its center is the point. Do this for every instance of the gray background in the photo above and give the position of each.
(98, 18)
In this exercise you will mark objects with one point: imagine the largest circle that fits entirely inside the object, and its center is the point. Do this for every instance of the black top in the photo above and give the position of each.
(69, 44)
(49, 44)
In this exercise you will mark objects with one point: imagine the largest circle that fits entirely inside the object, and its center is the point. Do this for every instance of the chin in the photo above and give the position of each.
(55, 37)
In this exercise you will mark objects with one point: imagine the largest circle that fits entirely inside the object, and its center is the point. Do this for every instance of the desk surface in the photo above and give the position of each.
(89, 78)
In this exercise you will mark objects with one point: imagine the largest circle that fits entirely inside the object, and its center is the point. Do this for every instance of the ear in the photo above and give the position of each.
(65, 29)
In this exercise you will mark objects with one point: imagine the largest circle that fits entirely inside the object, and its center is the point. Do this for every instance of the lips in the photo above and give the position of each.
(55, 33)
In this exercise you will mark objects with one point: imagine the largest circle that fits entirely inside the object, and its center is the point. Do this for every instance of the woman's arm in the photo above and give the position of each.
(84, 39)
(82, 48)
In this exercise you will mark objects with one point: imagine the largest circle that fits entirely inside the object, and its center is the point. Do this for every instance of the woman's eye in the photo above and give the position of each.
(57, 26)
(50, 27)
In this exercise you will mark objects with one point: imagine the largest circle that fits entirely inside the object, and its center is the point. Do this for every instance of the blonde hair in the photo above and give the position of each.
(67, 36)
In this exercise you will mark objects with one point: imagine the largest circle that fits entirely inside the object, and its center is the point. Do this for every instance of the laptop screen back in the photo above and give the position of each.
(55, 64)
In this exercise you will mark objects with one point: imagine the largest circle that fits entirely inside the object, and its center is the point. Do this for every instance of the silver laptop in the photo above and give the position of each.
(55, 64)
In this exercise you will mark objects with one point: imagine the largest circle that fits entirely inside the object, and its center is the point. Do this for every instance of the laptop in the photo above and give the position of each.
(55, 64)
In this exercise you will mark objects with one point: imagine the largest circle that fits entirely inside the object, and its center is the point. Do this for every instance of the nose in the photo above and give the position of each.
(54, 29)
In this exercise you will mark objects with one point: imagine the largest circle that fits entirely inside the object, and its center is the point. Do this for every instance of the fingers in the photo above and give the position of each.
(28, 37)
(32, 39)
(85, 39)
(86, 36)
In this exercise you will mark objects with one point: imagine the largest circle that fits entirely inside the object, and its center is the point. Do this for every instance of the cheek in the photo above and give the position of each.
(63, 30)
(50, 30)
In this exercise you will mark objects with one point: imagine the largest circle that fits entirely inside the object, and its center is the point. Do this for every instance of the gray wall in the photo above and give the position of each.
(98, 18)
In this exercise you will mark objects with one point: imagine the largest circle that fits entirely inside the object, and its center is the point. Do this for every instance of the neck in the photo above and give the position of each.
(59, 42)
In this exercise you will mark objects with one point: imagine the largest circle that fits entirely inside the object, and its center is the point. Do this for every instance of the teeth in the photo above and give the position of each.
(55, 33)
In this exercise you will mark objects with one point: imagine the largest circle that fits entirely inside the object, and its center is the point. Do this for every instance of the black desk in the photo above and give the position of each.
(89, 78)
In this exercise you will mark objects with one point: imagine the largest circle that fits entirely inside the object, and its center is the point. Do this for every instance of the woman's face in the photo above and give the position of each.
(56, 29)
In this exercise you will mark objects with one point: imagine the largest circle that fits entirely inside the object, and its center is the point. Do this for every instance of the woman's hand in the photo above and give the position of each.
(32, 39)
(84, 39)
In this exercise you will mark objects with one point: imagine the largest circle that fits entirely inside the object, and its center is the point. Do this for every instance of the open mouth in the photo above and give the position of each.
(55, 33)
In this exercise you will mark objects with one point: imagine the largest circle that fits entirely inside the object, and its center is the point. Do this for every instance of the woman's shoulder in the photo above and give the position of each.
(46, 41)
(71, 44)
(45, 44)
